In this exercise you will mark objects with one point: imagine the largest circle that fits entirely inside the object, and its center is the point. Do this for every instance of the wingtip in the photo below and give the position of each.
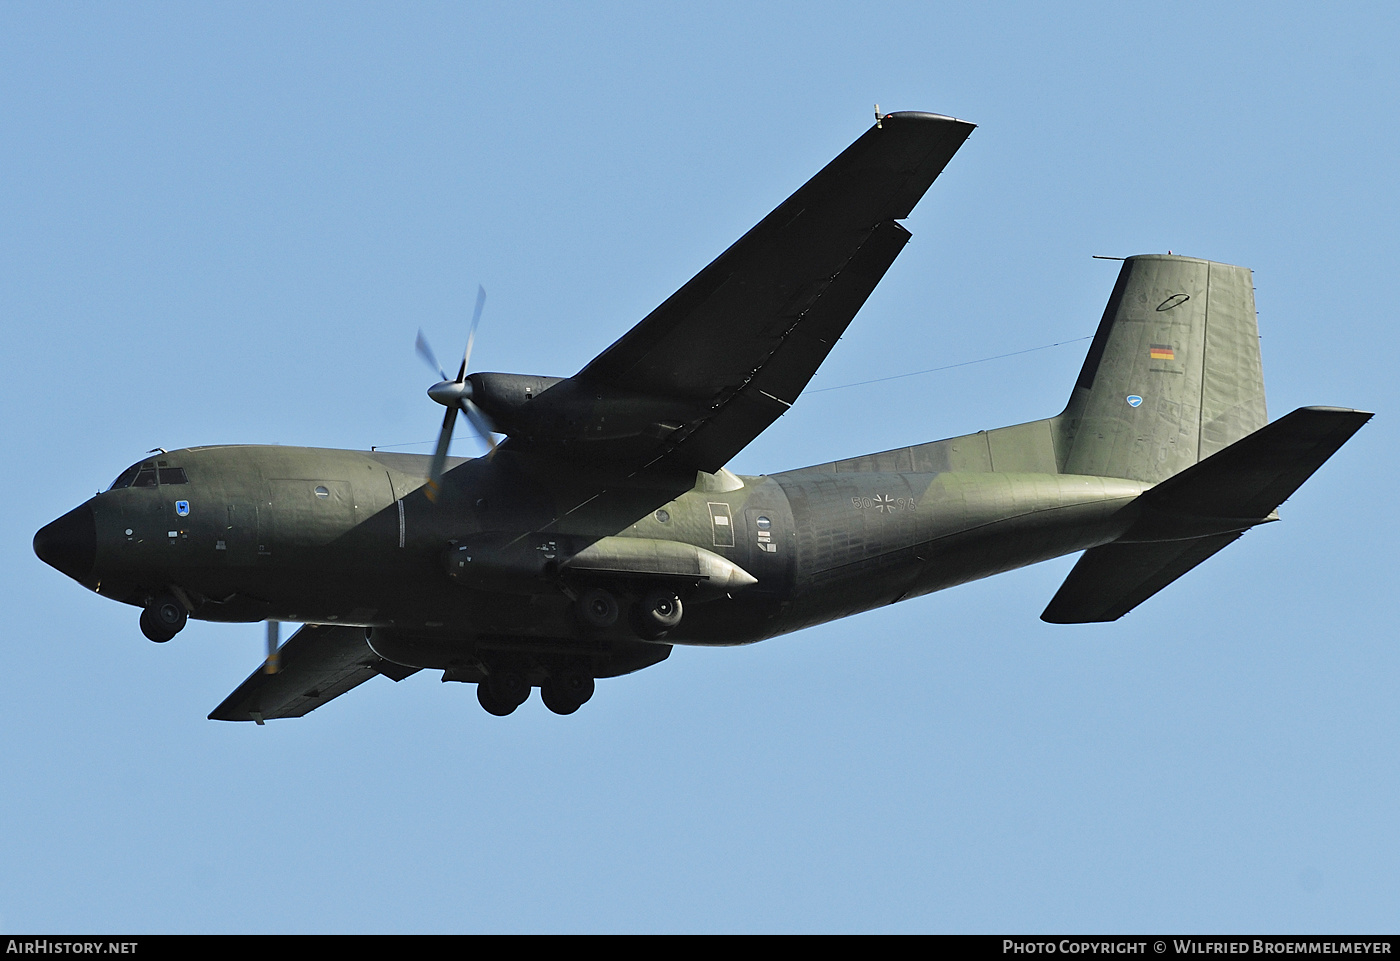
(925, 117)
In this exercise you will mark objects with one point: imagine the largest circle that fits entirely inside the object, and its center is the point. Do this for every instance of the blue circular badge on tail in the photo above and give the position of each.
(1134, 400)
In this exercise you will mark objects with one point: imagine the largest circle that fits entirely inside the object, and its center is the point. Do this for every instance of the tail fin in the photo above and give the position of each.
(1173, 374)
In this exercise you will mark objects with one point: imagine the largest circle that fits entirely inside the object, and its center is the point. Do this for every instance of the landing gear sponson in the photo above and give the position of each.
(323, 661)
(567, 687)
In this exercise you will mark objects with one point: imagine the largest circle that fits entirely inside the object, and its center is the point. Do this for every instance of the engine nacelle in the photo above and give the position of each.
(566, 411)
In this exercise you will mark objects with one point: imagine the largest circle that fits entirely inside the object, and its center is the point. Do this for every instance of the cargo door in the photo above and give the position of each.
(304, 514)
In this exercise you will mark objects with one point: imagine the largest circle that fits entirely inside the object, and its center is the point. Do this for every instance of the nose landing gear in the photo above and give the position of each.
(163, 617)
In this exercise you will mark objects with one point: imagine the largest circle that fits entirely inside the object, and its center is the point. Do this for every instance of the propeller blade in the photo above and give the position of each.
(471, 334)
(453, 395)
(481, 424)
(427, 354)
(274, 658)
(435, 471)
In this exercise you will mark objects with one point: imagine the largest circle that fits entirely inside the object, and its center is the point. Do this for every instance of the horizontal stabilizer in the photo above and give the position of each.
(1188, 517)
(318, 663)
(1110, 581)
(1254, 475)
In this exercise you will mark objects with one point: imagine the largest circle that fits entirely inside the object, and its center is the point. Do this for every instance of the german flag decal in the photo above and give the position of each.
(1161, 352)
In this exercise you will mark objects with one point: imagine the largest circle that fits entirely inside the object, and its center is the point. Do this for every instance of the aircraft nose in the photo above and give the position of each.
(69, 544)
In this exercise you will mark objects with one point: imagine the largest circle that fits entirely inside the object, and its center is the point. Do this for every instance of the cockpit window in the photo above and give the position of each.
(148, 474)
(125, 478)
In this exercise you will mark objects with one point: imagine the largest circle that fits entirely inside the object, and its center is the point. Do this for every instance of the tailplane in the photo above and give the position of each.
(1187, 518)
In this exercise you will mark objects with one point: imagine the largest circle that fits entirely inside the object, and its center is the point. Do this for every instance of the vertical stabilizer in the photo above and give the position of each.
(1173, 374)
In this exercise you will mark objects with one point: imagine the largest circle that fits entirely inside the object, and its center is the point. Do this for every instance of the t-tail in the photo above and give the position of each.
(1172, 394)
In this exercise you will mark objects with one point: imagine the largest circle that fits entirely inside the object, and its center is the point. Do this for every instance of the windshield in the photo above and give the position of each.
(149, 473)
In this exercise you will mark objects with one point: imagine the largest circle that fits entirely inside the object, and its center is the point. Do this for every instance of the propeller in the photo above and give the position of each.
(273, 664)
(455, 395)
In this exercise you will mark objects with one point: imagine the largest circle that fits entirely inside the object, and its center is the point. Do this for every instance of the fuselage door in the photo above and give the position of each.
(721, 525)
(304, 514)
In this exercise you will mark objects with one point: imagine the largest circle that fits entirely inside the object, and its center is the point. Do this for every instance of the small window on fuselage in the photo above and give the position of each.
(173, 475)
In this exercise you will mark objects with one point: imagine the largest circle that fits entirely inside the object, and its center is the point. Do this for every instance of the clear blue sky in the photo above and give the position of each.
(225, 223)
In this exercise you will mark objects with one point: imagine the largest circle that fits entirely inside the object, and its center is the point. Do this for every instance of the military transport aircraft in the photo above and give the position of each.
(605, 528)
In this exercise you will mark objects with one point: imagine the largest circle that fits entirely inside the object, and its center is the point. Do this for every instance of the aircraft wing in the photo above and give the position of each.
(735, 346)
(319, 662)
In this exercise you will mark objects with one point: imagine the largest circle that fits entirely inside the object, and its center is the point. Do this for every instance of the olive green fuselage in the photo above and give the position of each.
(332, 536)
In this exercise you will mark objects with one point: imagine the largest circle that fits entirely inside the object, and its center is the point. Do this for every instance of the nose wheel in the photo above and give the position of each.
(163, 618)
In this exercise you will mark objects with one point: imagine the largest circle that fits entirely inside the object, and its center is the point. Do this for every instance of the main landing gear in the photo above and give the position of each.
(654, 613)
(563, 692)
(502, 692)
(566, 684)
(163, 617)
